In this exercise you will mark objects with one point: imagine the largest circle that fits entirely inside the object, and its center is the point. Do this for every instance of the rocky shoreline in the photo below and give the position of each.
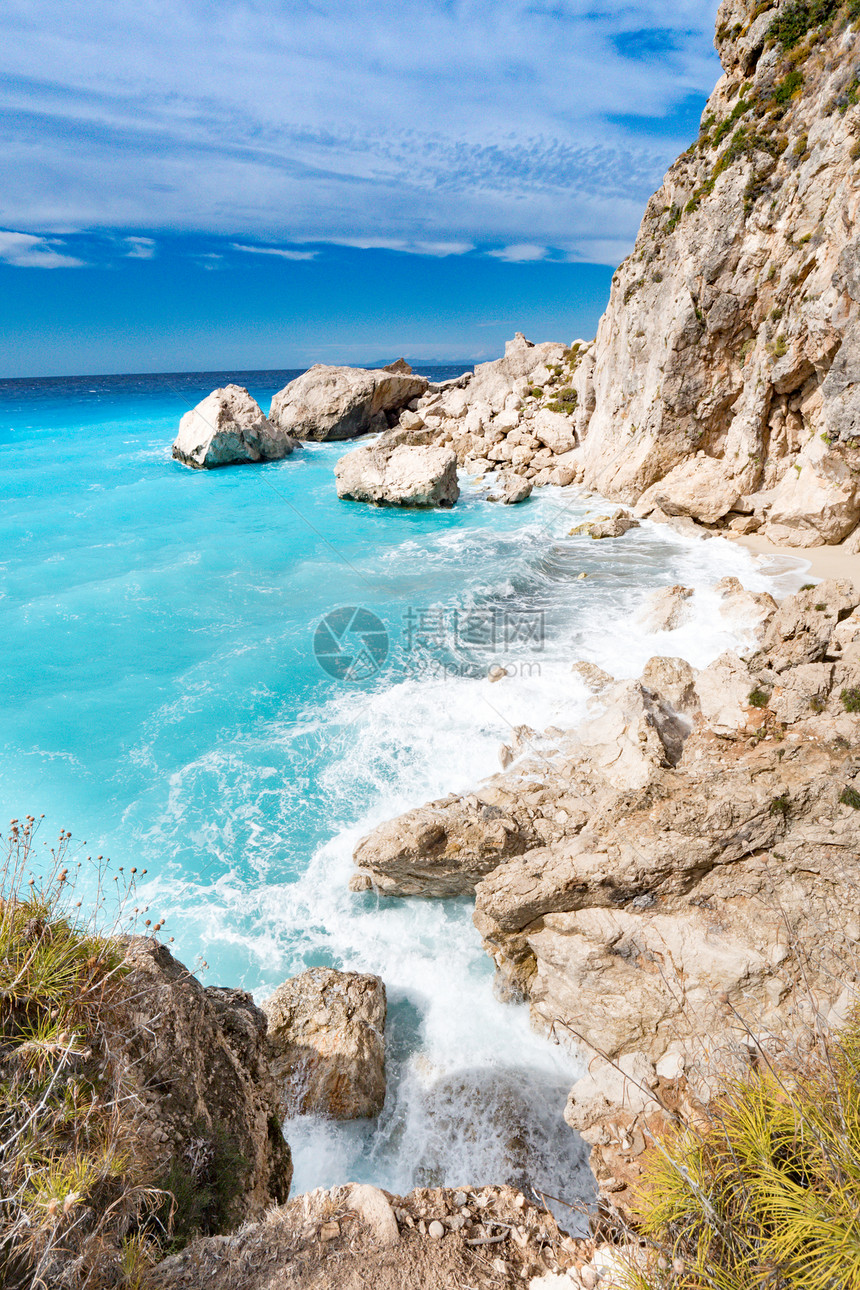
(673, 885)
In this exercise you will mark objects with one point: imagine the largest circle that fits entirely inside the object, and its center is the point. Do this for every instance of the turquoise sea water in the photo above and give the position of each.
(162, 699)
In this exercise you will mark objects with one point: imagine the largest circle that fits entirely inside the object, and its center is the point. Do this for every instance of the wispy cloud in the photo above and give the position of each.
(276, 250)
(140, 248)
(422, 125)
(26, 251)
(521, 252)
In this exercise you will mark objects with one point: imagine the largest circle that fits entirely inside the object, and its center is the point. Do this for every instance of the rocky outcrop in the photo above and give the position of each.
(510, 416)
(326, 1044)
(349, 1238)
(608, 526)
(226, 428)
(392, 473)
(510, 489)
(723, 381)
(683, 868)
(208, 1104)
(442, 849)
(343, 402)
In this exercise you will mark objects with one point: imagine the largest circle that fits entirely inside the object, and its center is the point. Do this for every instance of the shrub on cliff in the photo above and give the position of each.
(76, 1180)
(765, 1189)
(795, 20)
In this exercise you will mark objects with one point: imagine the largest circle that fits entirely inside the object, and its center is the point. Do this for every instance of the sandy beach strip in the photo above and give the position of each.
(823, 561)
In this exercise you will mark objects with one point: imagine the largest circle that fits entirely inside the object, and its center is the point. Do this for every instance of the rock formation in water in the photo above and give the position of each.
(343, 402)
(723, 382)
(681, 867)
(226, 428)
(326, 1042)
(390, 472)
(722, 385)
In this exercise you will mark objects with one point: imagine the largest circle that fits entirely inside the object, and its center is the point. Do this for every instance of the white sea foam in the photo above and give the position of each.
(474, 1094)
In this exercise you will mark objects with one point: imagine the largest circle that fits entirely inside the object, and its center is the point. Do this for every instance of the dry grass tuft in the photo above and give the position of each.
(77, 1188)
(765, 1190)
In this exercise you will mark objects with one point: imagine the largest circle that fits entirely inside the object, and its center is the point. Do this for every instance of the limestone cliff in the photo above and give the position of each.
(723, 380)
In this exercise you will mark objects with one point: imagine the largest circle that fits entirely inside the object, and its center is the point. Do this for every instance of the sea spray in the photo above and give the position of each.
(162, 697)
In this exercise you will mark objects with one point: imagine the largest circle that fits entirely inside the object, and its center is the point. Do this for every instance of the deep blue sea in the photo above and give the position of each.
(162, 698)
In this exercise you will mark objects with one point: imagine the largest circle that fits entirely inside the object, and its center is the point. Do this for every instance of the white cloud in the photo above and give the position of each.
(440, 249)
(490, 122)
(275, 250)
(140, 248)
(521, 252)
(26, 251)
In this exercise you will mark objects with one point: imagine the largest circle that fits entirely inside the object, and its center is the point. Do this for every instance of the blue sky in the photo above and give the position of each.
(253, 184)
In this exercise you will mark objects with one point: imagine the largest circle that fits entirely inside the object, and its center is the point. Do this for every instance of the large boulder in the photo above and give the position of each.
(327, 1043)
(388, 473)
(228, 427)
(342, 402)
(510, 489)
(207, 1102)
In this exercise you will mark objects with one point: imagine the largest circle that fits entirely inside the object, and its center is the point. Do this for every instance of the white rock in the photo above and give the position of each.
(342, 402)
(373, 1209)
(510, 489)
(671, 1066)
(402, 475)
(667, 609)
(554, 430)
(228, 427)
(724, 691)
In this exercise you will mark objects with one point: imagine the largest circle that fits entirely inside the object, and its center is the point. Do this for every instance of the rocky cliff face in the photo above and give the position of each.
(723, 380)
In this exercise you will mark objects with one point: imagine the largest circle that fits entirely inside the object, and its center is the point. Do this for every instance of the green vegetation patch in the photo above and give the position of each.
(758, 699)
(788, 88)
(795, 21)
(200, 1186)
(850, 797)
(851, 699)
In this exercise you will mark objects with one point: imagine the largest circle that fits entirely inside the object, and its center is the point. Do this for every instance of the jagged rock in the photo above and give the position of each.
(818, 501)
(667, 609)
(389, 473)
(697, 488)
(326, 1043)
(635, 733)
(611, 526)
(554, 430)
(802, 691)
(724, 690)
(441, 849)
(593, 676)
(674, 681)
(199, 1058)
(800, 630)
(741, 607)
(513, 489)
(715, 374)
(342, 402)
(644, 904)
(226, 428)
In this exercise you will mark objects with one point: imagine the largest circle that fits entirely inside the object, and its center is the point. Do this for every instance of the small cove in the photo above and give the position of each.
(162, 699)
